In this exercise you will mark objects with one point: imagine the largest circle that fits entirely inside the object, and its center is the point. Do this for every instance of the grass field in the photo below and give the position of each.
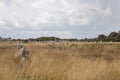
(62, 61)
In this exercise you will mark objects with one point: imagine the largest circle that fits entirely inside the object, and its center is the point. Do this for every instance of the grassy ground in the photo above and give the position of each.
(62, 61)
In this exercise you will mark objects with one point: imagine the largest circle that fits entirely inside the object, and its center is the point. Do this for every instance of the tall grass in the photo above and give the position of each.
(74, 61)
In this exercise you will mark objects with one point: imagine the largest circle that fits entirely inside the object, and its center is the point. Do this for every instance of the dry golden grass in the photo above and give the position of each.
(68, 61)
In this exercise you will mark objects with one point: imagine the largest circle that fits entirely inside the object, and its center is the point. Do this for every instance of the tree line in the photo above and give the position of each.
(113, 37)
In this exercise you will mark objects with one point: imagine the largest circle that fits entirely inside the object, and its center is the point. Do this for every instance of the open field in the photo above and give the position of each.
(62, 61)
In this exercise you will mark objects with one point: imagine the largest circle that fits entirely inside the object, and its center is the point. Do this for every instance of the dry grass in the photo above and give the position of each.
(69, 61)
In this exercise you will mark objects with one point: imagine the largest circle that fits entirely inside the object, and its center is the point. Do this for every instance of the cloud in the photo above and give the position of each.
(71, 18)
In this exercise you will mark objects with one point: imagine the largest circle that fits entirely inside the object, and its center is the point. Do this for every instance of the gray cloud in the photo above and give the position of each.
(62, 18)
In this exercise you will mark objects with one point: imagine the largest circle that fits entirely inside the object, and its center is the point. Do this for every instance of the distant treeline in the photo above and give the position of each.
(113, 37)
(44, 39)
(57, 39)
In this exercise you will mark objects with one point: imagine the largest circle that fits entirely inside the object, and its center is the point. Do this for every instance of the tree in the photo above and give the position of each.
(113, 35)
(9, 38)
(118, 36)
(48, 39)
(102, 36)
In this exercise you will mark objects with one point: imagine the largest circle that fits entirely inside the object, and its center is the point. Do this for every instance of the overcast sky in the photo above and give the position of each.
(61, 18)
